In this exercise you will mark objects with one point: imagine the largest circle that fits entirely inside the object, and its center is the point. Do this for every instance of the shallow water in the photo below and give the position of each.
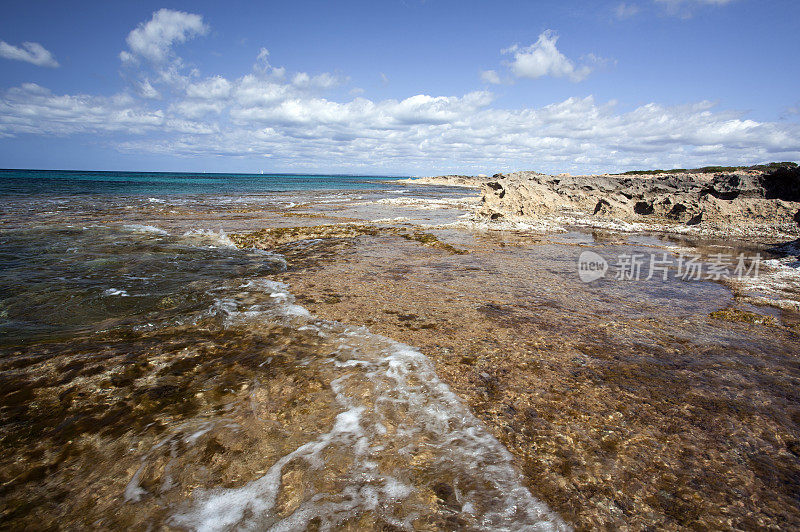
(627, 404)
(153, 374)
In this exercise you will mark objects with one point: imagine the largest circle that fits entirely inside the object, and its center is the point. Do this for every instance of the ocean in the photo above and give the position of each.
(70, 182)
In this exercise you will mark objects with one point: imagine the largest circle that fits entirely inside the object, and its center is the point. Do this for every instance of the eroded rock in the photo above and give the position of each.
(754, 198)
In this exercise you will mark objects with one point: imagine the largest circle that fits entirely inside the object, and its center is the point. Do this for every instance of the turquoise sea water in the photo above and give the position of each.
(67, 182)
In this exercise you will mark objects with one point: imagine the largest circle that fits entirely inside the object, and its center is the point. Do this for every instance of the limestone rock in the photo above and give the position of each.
(753, 197)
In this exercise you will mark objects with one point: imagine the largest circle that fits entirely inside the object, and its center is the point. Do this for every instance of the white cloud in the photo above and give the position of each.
(542, 58)
(196, 109)
(700, 2)
(262, 61)
(153, 39)
(321, 81)
(211, 88)
(289, 118)
(33, 109)
(682, 8)
(253, 91)
(255, 117)
(30, 52)
(623, 10)
(685, 7)
(146, 90)
(262, 65)
(490, 76)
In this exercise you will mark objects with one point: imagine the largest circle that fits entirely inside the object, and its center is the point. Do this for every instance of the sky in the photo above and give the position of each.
(399, 87)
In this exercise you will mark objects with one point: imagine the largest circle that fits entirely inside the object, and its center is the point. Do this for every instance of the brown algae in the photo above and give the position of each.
(270, 238)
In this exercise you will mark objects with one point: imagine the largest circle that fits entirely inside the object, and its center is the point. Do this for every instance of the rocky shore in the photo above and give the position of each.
(626, 408)
(465, 181)
(746, 202)
(626, 404)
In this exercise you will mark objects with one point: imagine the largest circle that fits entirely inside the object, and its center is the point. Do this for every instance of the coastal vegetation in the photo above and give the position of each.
(712, 169)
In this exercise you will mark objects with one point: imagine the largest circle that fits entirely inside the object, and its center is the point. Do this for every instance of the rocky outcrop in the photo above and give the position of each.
(465, 181)
(753, 199)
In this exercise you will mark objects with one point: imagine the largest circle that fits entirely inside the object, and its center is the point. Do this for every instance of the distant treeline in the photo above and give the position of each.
(713, 169)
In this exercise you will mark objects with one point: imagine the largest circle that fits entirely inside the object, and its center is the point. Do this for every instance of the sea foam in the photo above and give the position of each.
(394, 417)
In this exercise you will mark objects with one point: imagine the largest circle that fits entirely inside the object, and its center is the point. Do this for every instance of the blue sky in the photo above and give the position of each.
(398, 87)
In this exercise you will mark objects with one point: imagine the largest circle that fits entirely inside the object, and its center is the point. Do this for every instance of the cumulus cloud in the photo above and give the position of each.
(262, 65)
(33, 109)
(262, 61)
(490, 76)
(253, 116)
(30, 52)
(321, 81)
(301, 121)
(152, 40)
(685, 7)
(210, 89)
(623, 10)
(543, 58)
(707, 2)
(146, 89)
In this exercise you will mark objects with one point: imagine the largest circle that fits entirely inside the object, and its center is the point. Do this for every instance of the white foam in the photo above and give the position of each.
(134, 492)
(376, 382)
(466, 202)
(395, 220)
(474, 223)
(777, 283)
(116, 292)
(390, 413)
(138, 228)
(279, 307)
(210, 239)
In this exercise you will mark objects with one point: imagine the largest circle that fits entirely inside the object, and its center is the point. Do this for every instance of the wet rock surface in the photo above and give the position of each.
(625, 405)
(622, 412)
(225, 405)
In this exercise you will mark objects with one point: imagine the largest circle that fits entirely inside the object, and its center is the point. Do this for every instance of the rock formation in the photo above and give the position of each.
(753, 199)
(465, 181)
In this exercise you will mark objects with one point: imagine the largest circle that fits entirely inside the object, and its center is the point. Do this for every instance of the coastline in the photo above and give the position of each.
(234, 295)
(583, 410)
(557, 379)
(622, 402)
(447, 180)
(759, 203)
